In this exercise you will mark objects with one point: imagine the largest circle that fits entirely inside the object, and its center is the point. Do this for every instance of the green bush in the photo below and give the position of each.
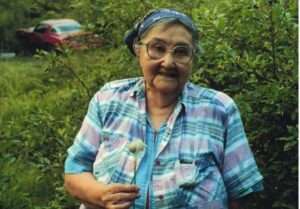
(249, 51)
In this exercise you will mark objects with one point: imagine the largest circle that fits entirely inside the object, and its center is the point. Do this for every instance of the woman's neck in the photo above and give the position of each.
(160, 106)
(160, 100)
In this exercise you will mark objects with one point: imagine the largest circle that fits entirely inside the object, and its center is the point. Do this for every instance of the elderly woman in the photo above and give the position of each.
(196, 153)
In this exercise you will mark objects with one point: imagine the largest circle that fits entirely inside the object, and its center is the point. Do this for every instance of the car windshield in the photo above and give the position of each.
(68, 28)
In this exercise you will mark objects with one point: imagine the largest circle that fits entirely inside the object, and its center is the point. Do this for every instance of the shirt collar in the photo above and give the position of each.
(184, 97)
(138, 91)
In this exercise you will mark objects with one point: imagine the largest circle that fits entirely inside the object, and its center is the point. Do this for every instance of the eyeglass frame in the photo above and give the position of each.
(193, 51)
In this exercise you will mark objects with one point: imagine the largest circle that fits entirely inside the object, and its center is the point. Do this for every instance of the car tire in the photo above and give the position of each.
(48, 47)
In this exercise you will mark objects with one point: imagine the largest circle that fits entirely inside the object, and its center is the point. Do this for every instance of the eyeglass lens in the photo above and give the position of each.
(181, 53)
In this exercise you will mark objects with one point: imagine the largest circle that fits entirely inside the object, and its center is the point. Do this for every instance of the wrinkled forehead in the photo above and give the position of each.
(171, 32)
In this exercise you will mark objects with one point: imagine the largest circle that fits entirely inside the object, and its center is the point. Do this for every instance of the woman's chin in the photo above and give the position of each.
(167, 87)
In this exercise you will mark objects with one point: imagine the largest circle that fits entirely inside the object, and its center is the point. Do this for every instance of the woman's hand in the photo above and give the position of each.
(118, 195)
(234, 204)
(97, 195)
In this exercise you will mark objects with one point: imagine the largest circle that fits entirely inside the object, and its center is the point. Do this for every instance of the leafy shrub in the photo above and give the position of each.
(249, 51)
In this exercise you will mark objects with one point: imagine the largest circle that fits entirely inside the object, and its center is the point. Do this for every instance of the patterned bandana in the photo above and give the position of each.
(154, 17)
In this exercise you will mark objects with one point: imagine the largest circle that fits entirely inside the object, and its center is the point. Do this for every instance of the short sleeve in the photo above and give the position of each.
(240, 172)
(82, 153)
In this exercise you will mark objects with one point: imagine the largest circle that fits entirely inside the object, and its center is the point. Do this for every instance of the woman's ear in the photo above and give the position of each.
(136, 49)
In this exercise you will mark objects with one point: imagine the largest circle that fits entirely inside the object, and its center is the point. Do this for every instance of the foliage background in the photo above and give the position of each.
(249, 50)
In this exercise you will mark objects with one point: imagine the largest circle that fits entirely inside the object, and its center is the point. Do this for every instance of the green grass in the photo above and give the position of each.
(36, 128)
(43, 102)
(19, 76)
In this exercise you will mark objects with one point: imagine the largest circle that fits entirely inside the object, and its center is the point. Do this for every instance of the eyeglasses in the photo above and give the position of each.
(157, 49)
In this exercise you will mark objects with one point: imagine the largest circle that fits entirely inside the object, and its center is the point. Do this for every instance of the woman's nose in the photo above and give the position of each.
(168, 60)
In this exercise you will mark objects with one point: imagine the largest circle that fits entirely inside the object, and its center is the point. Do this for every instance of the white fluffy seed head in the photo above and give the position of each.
(136, 146)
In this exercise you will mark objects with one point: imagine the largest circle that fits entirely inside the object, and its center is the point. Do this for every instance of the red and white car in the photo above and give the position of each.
(50, 34)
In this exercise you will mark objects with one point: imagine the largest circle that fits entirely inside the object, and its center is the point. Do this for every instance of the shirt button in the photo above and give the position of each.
(157, 162)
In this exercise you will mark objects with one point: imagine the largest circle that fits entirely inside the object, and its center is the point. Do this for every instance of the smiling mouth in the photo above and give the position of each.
(169, 74)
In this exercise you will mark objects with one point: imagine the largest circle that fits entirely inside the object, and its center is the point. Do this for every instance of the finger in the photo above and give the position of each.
(123, 205)
(120, 197)
(126, 188)
(92, 206)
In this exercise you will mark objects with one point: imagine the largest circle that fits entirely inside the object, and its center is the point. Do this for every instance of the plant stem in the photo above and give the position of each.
(134, 178)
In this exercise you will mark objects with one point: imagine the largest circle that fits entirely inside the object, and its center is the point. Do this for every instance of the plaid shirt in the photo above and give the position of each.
(202, 160)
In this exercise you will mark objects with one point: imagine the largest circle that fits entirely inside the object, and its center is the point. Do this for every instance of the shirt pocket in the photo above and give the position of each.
(109, 154)
(164, 183)
(199, 182)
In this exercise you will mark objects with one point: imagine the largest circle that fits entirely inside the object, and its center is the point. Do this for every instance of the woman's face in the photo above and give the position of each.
(165, 75)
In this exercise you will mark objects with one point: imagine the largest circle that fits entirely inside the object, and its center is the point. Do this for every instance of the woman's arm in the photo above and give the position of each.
(84, 187)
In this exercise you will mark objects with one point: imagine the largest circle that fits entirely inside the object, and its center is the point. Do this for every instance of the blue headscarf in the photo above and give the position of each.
(156, 16)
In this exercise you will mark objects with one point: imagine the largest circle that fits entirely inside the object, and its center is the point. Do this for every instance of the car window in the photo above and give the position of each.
(66, 28)
(41, 28)
(53, 30)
